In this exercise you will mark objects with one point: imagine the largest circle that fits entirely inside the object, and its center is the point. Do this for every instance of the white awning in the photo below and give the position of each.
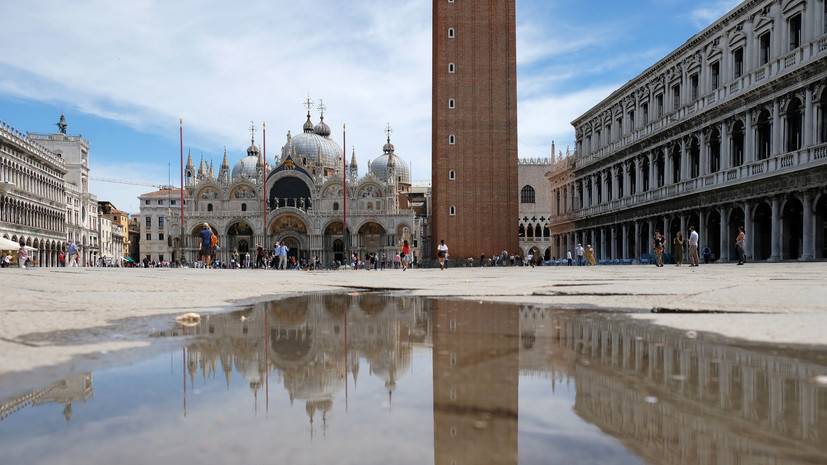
(8, 244)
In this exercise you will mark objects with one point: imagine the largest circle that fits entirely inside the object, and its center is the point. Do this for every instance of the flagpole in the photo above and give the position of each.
(181, 144)
(264, 169)
(344, 195)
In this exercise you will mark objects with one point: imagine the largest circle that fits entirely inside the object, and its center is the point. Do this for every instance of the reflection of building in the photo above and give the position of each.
(313, 344)
(474, 127)
(475, 381)
(304, 201)
(32, 195)
(675, 399)
(727, 130)
(66, 391)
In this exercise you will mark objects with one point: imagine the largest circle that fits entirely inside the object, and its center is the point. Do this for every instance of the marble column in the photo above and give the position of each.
(639, 175)
(636, 251)
(749, 247)
(592, 240)
(684, 161)
(808, 241)
(808, 118)
(683, 227)
(650, 241)
(724, 254)
(613, 236)
(701, 230)
(775, 232)
(625, 238)
(724, 160)
(602, 243)
(776, 129)
(749, 138)
(652, 181)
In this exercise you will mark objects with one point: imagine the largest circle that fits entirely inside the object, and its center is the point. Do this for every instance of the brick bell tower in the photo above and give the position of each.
(474, 145)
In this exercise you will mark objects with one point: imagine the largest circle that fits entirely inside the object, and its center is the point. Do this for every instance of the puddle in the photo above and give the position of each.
(369, 378)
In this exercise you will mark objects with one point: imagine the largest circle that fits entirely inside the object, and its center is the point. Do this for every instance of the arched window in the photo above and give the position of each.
(452, 210)
(737, 143)
(244, 207)
(794, 125)
(335, 206)
(764, 129)
(209, 207)
(452, 175)
(527, 194)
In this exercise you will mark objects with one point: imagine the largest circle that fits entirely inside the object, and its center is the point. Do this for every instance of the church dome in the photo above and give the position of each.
(246, 167)
(313, 146)
(379, 166)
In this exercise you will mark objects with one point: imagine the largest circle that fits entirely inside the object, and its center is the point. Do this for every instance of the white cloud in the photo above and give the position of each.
(703, 15)
(535, 42)
(142, 178)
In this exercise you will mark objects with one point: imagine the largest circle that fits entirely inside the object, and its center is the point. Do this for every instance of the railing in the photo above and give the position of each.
(822, 44)
(734, 87)
(760, 74)
(731, 175)
(789, 60)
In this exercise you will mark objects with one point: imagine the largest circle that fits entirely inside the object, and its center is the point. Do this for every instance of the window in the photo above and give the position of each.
(244, 207)
(146, 202)
(676, 96)
(148, 221)
(160, 222)
(715, 75)
(209, 207)
(527, 194)
(764, 48)
(794, 28)
(452, 175)
(452, 210)
(148, 236)
(738, 63)
(160, 236)
(173, 202)
(451, 33)
(335, 206)
(161, 257)
(645, 109)
(632, 120)
(693, 85)
(659, 101)
(452, 103)
(160, 201)
(452, 139)
(452, 68)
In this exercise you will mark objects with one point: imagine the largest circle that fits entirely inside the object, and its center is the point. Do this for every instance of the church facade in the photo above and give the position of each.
(300, 201)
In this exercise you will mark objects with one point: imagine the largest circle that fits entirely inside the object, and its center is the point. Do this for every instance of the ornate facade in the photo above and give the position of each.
(726, 131)
(304, 205)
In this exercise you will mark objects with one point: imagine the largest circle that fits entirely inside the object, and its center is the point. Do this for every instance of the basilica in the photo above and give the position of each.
(310, 199)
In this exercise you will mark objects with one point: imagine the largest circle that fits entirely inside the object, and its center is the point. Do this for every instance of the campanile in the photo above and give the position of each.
(474, 145)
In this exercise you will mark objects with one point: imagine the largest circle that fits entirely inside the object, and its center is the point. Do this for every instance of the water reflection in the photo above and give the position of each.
(636, 393)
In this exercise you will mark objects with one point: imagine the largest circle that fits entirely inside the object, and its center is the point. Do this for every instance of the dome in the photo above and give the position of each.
(379, 166)
(247, 167)
(314, 146)
(252, 151)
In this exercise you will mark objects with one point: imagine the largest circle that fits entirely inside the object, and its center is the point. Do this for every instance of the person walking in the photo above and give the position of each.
(579, 252)
(659, 249)
(694, 260)
(740, 243)
(73, 254)
(404, 256)
(590, 255)
(677, 248)
(283, 256)
(442, 254)
(22, 255)
(259, 256)
(206, 244)
(568, 257)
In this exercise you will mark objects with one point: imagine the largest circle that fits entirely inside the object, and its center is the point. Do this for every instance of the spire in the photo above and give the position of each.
(308, 125)
(225, 163)
(189, 159)
(252, 133)
(553, 151)
(210, 172)
(353, 157)
(388, 148)
(61, 125)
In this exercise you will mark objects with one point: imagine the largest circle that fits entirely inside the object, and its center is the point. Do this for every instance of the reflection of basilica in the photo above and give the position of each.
(304, 200)
(312, 344)
(72, 389)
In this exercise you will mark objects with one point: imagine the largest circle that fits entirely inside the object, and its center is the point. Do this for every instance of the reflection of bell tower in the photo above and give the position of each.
(475, 379)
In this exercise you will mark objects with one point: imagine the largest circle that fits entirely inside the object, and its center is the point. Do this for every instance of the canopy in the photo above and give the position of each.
(7, 244)
(128, 259)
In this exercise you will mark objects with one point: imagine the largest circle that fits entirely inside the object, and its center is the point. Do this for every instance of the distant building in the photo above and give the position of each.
(134, 235)
(32, 196)
(115, 245)
(535, 208)
(156, 208)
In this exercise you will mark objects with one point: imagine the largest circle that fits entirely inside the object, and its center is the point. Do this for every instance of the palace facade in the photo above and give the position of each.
(726, 131)
(299, 202)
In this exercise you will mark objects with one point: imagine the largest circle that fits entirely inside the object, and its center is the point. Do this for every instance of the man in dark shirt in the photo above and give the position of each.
(659, 248)
(206, 245)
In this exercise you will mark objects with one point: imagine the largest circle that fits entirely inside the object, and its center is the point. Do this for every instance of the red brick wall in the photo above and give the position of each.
(484, 123)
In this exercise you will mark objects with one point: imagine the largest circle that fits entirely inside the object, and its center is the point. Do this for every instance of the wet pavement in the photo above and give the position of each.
(374, 378)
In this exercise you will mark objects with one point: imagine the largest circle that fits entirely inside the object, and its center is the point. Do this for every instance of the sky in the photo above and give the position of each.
(125, 72)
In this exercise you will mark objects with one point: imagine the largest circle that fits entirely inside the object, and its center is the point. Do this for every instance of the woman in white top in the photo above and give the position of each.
(442, 254)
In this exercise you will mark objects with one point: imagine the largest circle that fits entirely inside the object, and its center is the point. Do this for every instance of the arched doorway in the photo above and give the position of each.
(674, 227)
(821, 226)
(762, 231)
(792, 229)
(371, 238)
(630, 241)
(294, 247)
(240, 240)
(334, 241)
(290, 192)
(736, 221)
(291, 230)
(713, 234)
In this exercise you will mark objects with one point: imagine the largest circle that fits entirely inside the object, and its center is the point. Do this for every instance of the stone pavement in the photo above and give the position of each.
(50, 316)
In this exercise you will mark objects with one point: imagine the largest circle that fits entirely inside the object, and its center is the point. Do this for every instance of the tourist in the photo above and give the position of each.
(530, 258)
(146, 261)
(283, 256)
(740, 243)
(658, 249)
(694, 260)
(6, 262)
(568, 257)
(22, 255)
(206, 244)
(213, 247)
(590, 255)
(442, 254)
(707, 255)
(579, 252)
(405, 254)
(61, 259)
(73, 254)
(677, 248)
(259, 256)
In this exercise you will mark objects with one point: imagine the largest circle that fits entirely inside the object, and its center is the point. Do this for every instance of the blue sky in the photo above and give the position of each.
(124, 72)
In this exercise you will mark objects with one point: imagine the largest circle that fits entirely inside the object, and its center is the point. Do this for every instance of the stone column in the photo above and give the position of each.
(701, 230)
(776, 129)
(684, 161)
(625, 238)
(595, 187)
(775, 232)
(667, 165)
(602, 243)
(724, 254)
(613, 238)
(636, 251)
(639, 176)
(592, 241)
(667, 234)
(808, 117)
(725, 147)
(604, 185)
(703, 161)
(749, 138)
(808, 242)
(651, 239)
(613, 173)
(683, 226)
